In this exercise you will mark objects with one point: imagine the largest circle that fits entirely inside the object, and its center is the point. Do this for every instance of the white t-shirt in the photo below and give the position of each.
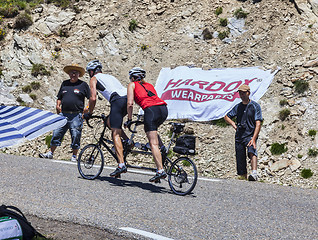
(108, 84)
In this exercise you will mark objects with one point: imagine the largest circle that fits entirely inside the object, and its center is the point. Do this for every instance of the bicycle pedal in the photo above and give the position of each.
(158, 181)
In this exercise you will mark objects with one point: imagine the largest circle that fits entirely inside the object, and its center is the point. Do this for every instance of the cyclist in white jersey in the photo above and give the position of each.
(116, 94)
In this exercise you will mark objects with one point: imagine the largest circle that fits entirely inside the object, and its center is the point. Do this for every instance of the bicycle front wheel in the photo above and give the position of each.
(90, 161)
(182, 176)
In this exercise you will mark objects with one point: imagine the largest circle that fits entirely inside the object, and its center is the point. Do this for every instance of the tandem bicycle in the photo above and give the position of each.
(181, 173)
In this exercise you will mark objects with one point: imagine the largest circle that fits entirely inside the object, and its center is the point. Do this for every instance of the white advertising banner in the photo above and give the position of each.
(203, 95)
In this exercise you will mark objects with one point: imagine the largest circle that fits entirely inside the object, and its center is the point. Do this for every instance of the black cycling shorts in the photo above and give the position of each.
(118, 110)
(154, 116)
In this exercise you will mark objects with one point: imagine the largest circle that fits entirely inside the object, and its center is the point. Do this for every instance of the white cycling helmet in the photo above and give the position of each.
(137, 73)
(94, 65)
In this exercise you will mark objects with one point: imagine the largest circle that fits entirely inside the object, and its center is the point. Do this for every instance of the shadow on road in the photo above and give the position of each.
(126, 183)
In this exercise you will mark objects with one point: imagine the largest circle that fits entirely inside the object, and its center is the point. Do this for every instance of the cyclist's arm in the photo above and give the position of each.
(130, 99)
(92, 99)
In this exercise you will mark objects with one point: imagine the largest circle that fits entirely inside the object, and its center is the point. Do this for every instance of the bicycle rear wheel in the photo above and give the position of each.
(90, 161)
(182, 176)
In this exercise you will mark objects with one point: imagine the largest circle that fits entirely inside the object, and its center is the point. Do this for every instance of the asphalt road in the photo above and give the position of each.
(224, 209)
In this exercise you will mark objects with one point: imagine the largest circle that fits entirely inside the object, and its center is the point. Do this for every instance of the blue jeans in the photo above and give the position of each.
(75, 125)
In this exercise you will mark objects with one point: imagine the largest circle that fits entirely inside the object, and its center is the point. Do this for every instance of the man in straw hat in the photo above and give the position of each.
(248, 125)
(70, 104)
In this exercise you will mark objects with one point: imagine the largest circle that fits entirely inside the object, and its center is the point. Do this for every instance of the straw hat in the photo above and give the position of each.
(244, 88)
(75, 67)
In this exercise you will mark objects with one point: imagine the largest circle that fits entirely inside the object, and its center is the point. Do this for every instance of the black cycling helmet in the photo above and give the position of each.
(94, 65)
(137, 73)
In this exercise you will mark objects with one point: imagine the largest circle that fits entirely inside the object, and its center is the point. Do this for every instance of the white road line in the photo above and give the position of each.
(65, 162)
(145, 234)
(138, 171)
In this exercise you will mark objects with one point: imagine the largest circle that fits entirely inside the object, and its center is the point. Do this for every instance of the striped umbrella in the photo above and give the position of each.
(19, 123)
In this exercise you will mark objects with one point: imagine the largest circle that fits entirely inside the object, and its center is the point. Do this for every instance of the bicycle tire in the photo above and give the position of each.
(182, 176)
(90, 161)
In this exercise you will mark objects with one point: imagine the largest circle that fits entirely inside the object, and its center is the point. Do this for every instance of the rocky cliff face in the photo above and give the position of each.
(172, 33)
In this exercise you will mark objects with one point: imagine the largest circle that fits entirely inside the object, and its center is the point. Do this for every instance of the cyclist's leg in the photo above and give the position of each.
(153, 117)
(163, 113)
(118, 144)
(117, 113)
(154, 145)
(122, 133)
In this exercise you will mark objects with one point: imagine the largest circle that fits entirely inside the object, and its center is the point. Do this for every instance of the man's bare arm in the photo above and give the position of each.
(230, 121)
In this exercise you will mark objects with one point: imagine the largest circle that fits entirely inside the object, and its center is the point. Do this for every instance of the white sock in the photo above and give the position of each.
(254, 172)
(160, 171)
(120, 165)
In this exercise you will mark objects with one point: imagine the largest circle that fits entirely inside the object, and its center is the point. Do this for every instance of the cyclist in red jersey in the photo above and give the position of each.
(155, 113)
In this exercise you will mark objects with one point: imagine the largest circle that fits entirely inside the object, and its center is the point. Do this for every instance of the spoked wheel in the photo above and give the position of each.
(90, 161)
(182, 176)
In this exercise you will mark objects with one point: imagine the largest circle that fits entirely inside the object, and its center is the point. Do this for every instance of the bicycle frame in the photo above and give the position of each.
(127, 151)
(182, 172)
(102, 140)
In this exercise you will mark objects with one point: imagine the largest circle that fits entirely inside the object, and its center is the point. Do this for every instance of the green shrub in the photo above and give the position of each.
(220, 122)
(283, 102)
(218, 11)
(223, 22)
(39, 69)
(223, 34)
(76, 9)
(312, 152)
(239, 13)
(306, 173)
(19, 100)
(277, 149)
(283, 114)
(64, 33)
(143, 47)
(312, 132)
(33, 96)
(55, 55)
(207, 35)
(35, 85)
(61, 3)
(283, 126)
(132, 25)
(48, 141)
(310, 25)
(8, 11)
(27, 89)
(299, 155)
(21, 5)
(2, 33)
(23, 21)
(1, 19)
(186, 163)
(301, 86)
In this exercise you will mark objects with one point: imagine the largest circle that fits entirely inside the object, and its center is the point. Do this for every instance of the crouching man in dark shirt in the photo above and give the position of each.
(70, 104)
(248, 125)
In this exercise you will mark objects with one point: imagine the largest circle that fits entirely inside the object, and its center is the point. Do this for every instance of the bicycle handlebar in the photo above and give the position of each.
(100, 117)
(134, 122)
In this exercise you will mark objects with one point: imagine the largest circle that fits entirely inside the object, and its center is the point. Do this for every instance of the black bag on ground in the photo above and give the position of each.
(185, 145)
(27, 230)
